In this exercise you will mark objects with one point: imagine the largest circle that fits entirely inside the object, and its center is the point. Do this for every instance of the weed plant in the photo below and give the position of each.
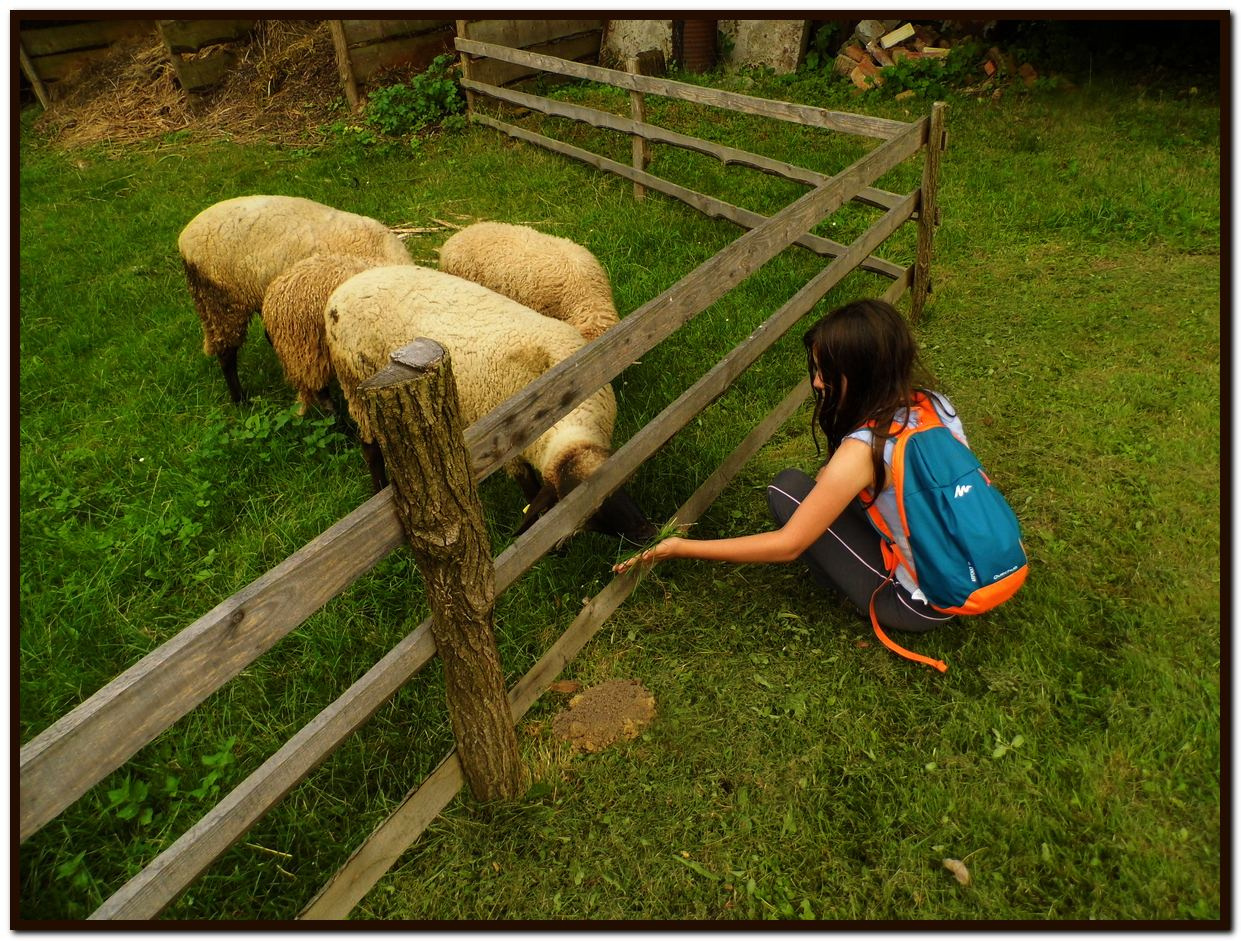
(796, 770)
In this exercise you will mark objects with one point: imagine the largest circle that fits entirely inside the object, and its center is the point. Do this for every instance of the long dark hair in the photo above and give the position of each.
(870, 365)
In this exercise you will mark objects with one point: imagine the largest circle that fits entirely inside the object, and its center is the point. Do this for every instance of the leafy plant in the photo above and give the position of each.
(933, 77)
(426, 99)
(819, 53)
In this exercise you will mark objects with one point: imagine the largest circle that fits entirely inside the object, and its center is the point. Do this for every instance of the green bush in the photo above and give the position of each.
(427, 99)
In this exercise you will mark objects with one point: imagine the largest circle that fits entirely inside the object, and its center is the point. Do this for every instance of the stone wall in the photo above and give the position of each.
(775, 44)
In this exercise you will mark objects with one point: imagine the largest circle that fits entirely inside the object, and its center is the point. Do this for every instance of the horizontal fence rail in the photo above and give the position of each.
(726, 155)
(859, 124)
(707, 205)
(77, 751)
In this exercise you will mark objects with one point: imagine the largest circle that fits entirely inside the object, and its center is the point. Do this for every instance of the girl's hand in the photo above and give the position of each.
(662, 550)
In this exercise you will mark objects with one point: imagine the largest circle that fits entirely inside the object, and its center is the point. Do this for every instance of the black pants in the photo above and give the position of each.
(848, 559)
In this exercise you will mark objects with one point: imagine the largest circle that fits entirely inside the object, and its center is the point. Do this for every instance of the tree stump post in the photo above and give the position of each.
(412, 405)
(928, 210)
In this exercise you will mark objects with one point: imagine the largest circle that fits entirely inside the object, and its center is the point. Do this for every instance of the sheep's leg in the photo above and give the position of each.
(375, 463)
(228, 365)
(526, 478)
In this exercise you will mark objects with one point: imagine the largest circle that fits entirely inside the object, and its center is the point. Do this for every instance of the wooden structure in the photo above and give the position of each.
(48, 50)
(60, 764)
(365, 48)
(200, 49)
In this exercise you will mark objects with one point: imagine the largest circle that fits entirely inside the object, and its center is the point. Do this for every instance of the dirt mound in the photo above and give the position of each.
(284, 87)
(610, 712)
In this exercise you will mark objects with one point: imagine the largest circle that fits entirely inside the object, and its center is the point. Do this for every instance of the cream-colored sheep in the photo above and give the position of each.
(234, 249)
(497, 347)
(550, 274)
(293, 319)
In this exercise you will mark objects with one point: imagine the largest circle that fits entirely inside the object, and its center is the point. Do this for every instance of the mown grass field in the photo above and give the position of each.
(1071, 755)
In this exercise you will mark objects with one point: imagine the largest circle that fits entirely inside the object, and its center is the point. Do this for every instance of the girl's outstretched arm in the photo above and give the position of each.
(840, 480)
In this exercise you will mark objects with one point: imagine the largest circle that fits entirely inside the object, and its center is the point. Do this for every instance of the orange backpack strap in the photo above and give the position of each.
(924, 409)
(893, 645)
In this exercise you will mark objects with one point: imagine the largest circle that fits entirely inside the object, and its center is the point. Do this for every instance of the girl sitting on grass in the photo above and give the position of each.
(865, 370)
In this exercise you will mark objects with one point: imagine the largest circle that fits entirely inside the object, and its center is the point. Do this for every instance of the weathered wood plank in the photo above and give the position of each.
(174, 870)
(56, 40)
(640, 150)
(584, 46)
(726, 155)
(362, 32)
(899, 286)
(524, 33)
(344, 63)
(53, 68)
(61, 763)
(196, 74)
(495, 437)
(467, 71)
(929, 211)
(708, 205)
(859, 124)
(387, 842)
(32, 76)
(182, 36)
(413, 52)
(377, 854)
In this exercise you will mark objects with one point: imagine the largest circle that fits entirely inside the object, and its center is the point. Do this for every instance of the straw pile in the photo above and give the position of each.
(284, 87)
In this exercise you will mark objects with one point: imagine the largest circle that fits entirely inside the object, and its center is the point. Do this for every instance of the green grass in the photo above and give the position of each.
(1071, 755)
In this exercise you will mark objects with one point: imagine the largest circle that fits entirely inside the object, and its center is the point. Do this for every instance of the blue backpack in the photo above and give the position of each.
(965, 549)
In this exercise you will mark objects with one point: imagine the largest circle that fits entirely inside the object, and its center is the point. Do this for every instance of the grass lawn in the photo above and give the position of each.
(1071, 755)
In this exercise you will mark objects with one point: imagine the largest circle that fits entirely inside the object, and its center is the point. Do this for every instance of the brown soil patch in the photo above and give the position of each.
(610, 712)
(284, 88)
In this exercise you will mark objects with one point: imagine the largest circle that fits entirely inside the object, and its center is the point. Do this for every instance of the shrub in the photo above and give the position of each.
(425, 100)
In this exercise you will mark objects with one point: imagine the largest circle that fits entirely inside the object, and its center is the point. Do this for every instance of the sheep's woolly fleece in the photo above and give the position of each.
(293, 318)
(495, 345)
(234, 249)
(553, 275)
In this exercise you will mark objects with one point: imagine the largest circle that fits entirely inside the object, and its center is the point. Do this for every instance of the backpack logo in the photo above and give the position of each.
(962, 490)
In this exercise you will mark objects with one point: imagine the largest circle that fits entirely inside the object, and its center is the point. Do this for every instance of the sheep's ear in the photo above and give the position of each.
(543, 501)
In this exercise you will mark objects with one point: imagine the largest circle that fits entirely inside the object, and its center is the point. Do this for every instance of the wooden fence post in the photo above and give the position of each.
(32, 74)
(928, 209)
(462, 29)
(637, 108)
(344, 62)
(412, 405)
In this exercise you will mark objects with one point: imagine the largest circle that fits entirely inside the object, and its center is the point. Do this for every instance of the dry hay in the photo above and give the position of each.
(610, 712)
(283, 87)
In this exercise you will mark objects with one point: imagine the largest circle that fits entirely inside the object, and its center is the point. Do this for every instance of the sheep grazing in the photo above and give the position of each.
(497, 347)
(293, 320)
(233, 250)
(550, 274)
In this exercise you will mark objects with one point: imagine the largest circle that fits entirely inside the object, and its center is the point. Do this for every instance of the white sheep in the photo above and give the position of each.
(233, 250)
(293, 320)
(497, 347)
(550, 274)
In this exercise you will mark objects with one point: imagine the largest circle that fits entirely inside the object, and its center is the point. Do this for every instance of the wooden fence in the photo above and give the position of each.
(203, 51)
(60, 764)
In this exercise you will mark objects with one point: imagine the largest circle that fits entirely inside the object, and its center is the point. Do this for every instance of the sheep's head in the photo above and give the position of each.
(618, 515)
